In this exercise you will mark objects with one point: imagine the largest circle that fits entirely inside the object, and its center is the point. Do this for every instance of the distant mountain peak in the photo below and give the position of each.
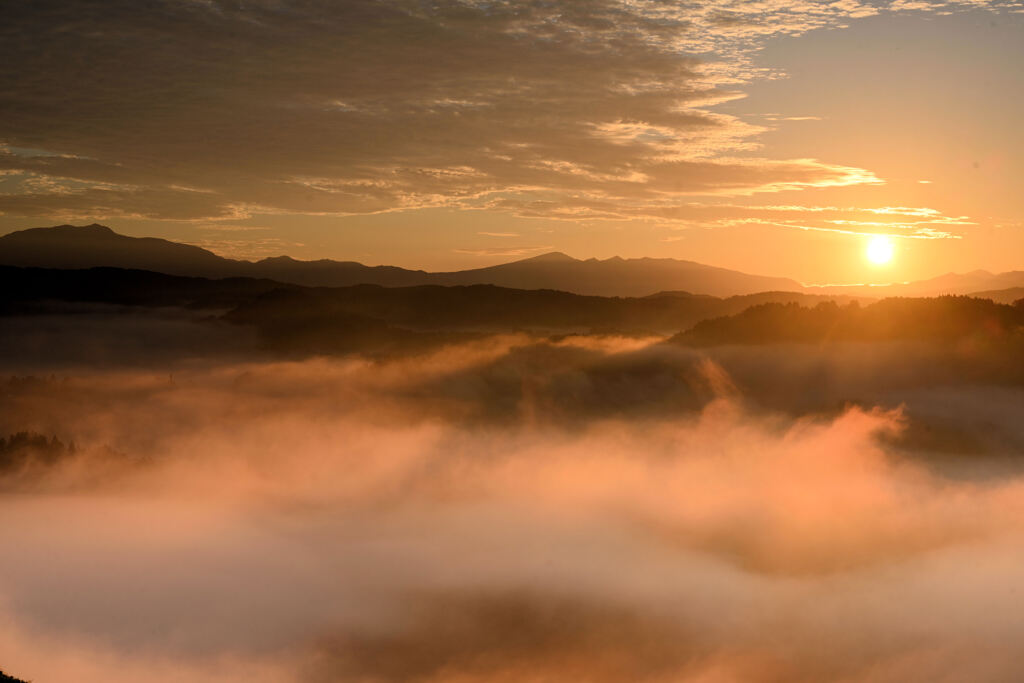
(551, 257)
(95, 245)
(68, 230)
(88, 246)
(278, 259)
(96, 227)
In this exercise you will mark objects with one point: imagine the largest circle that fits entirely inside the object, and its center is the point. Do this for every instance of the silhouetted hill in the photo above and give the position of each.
(328, 273)
(430, 307)
(618, 277)
(975, 283)
(363, 318)
(943, 319)
(69, 246)
(298, 322)
(22, 290)
(1001, 296)
(264, 315)
(4, 678)
(93, 246)
(486, 308)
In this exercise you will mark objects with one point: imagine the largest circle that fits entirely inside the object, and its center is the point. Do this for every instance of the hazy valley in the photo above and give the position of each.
(473, 482)
(511, 341)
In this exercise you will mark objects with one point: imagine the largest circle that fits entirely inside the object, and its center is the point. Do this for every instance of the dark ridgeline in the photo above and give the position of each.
(372, 318)
(618, 277)
(4, 678)
(69, 246)
(295, 319)
(90, 246)
(940, 319)
(27, 290)
(1002, 296)
(348, 318)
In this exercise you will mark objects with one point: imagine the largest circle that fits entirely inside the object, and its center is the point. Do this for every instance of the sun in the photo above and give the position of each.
(880, 250)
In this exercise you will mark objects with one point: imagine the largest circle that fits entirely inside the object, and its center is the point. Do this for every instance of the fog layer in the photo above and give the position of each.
(510, 509)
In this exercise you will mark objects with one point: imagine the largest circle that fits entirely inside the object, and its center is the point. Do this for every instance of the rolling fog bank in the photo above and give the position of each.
(511, 508)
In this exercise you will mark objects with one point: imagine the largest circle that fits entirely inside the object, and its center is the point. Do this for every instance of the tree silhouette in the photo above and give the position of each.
(22, 449)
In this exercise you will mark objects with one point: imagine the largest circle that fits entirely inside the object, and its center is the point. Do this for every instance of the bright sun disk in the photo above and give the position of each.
(880, 250)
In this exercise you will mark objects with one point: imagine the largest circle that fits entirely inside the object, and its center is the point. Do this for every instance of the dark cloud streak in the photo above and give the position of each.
(363, 106)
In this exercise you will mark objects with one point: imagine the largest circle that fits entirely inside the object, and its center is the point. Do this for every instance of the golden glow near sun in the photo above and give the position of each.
(880, 250)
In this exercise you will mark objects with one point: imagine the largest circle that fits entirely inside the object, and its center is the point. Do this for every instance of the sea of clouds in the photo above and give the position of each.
(515, 509)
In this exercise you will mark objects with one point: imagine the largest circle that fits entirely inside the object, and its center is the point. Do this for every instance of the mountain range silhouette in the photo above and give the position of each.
(67, 246)
(90, 246)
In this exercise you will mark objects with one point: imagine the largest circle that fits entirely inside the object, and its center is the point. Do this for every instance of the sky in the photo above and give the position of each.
(773, 136)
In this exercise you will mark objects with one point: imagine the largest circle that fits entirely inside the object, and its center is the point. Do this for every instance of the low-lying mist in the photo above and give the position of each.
(516, 509)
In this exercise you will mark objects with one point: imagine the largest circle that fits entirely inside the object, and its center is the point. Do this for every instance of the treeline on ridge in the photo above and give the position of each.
(940, 319)
(374, 319)
(271, 305)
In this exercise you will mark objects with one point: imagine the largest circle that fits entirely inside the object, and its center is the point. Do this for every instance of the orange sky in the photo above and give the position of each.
(772, 137)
